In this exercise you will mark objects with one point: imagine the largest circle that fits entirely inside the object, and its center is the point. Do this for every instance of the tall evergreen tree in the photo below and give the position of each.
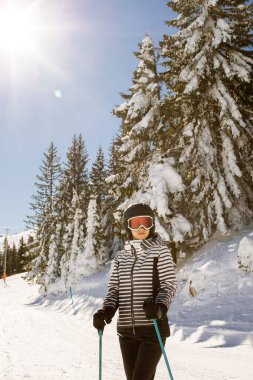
(22, 250)
(141, 174)
(78, 243)
(52, 273)
(1, 263)
(98, 174)
(209, 72)
(45, 185)
(92, 256)
(75, 176)
(43, 210)
(74, 184)
(104, 204)
(111, 228)
(56, 246)
(140, 115)
(14, 259)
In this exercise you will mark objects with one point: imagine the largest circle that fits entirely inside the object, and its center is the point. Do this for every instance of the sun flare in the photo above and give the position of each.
(17, 31)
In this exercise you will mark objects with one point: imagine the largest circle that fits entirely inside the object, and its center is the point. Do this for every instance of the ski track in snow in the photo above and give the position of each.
(49, 343)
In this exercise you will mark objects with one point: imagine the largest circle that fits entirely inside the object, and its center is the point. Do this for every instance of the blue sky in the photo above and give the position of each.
(84, 51)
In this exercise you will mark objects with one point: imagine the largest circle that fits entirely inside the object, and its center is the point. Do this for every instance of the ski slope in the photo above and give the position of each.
(212, 333)
(46, 338)
(41, 343)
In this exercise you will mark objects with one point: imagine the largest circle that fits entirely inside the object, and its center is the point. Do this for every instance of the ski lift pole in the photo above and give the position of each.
(100, 333)
(162, 348)
(5, 256)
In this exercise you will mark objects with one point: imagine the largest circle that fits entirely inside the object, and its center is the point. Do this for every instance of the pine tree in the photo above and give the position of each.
(112, 227)
(140, 116)
(56, 245)
(98, 174)
(75, 173)
(92, 256)
(14, 259)
(209, 72)
(1, 263)
(74, 184)
(46, 187)
(22, 250)
(78, 243)
(43, 210)
(104, 204)
(52, 273)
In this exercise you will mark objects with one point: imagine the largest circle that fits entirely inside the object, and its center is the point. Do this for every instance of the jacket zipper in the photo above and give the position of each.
(132, 287)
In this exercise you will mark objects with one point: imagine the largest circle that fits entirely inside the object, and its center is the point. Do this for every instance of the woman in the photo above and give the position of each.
(142, 286)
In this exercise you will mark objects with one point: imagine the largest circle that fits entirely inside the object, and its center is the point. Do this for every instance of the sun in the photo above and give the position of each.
(17, 31)
(26, 40)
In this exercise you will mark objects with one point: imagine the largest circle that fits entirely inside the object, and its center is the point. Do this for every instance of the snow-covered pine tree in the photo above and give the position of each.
(98, 174)
(209, 71)
(140, 119)
(56, 245)
(78, 245)
(42, 211)
(74, 183)
(112, 227)
(140, 173)
(90, 259)
(104, 204)
(45, 185)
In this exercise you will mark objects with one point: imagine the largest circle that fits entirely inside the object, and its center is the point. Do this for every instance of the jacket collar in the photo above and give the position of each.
(146, 244)
(155, 240)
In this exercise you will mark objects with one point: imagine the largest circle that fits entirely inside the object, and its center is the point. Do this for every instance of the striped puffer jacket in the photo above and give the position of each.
(131, 281)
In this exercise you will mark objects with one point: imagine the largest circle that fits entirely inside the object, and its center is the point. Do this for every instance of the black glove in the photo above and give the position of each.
(154, 310)
(103, 316)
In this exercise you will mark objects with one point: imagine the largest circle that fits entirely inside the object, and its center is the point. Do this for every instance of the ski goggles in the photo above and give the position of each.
(135, 223)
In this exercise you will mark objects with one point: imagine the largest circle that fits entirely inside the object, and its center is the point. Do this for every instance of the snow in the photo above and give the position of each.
(245, 254)
(15, 239)
(227, 104)
(222, 33)
(145, 121)
(192, 85)
(180, 227)
(46, 338)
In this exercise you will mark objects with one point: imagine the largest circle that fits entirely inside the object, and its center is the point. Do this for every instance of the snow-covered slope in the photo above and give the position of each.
(221, 314)
(15, 239)
(46, 337)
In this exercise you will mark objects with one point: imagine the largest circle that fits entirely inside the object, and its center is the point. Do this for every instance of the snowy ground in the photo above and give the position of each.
(45, 338)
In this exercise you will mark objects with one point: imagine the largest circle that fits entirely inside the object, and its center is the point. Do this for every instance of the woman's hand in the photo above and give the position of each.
(154, 310)
(103, 317)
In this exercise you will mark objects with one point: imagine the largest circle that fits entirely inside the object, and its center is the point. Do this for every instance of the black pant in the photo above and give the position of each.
(140, 357)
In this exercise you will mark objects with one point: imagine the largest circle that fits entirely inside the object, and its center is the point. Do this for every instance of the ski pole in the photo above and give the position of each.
(71, 295)
(100, 333)
(162, 347)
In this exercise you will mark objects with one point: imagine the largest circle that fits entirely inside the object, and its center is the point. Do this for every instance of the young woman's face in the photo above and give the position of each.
(141, 234)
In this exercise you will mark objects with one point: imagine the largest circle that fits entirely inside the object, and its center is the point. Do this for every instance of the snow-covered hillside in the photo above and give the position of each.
(212, 333)
(221, 314)
(15, 239)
